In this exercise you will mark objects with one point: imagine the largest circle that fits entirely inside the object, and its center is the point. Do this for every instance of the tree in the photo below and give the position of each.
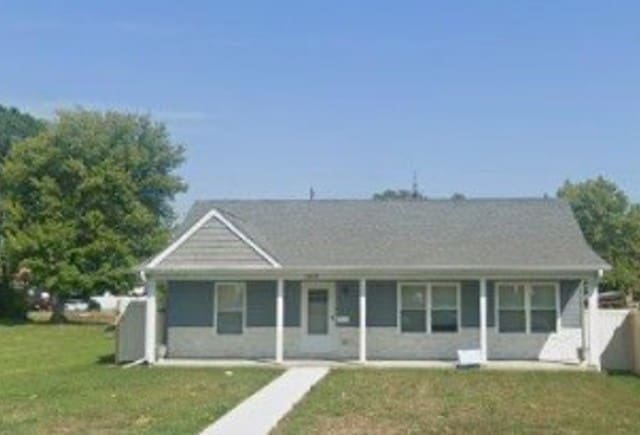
(400, 194)
(88, 198)
(611, 225)
(14, 126)
(458, 196)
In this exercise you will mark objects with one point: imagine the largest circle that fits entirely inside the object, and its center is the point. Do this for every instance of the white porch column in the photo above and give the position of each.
(150, 323)
(584, 325)
(594, 320)
(363, 322)
(483, 318)
(280, 322)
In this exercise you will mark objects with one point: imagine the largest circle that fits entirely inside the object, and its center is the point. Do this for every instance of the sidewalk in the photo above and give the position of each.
(260, 413)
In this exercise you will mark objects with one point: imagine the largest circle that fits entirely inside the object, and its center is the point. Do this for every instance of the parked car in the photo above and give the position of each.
(38, 299)
(76, 305)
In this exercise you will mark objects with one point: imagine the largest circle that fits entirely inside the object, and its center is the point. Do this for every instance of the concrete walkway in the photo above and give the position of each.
(261, 412)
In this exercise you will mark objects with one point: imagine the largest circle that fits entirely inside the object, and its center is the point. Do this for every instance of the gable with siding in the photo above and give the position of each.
(213, 245)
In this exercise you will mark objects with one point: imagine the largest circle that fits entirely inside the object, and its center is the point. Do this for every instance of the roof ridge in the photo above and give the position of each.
(420, 201)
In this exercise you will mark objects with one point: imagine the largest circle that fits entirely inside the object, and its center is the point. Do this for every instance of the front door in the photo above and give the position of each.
(318, 315)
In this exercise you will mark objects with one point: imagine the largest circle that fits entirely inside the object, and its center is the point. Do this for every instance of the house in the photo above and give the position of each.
(373, 280)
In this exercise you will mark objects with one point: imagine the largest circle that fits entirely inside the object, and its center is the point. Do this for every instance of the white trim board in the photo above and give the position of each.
(267, 272)
(213, 213)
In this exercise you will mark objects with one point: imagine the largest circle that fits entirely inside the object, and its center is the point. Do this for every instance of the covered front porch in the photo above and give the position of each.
(421, 319)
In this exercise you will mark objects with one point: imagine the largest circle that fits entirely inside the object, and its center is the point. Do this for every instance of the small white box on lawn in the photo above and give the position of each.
(469, 357)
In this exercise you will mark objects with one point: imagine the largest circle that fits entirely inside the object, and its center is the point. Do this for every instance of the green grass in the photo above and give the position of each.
(61, 379)
(432, 401)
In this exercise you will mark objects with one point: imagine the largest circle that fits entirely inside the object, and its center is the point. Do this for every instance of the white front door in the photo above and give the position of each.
(318, 318)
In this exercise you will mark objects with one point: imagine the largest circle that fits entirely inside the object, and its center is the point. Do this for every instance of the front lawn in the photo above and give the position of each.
(441, 401)
(61, 379)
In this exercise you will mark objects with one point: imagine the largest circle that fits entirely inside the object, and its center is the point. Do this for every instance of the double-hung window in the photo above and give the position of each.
(527, 308)
(413, 307)
(230, 307)
(444, 308)
(429, 307)
(512, 310)
(544, 315)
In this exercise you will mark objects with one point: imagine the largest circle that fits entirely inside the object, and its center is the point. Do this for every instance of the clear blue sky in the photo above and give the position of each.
(504, 98)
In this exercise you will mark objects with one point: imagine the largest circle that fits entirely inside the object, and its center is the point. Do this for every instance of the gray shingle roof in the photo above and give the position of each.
(472, 233)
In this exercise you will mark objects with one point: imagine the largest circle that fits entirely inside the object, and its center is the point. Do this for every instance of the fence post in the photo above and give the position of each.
(635, 340)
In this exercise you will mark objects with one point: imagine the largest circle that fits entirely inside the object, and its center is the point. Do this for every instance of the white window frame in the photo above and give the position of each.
(399, 307)
(457, 287)
(243, 288)
(558, 306)
(527, 305)
(428, 305)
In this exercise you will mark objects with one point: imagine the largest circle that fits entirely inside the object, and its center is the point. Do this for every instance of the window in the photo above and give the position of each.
(527, 308)
(230, 308)
(444, 308)
(413, 312)
(512, 313)
(429, 307)
(543, 308)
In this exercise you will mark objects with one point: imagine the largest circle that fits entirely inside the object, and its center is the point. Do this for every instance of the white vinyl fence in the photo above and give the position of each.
(109, 302)
(130, 331)
(616, 338)
(635, 338)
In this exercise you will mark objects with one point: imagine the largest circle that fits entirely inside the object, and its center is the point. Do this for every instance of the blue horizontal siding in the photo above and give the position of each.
(382, 304)
(292, 303)
(347, 293)
(190, 303)
(261, 303)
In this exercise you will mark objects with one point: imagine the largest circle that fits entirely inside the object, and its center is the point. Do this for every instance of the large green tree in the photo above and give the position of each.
(611, 225)
(398, 194)
(14, 127)
(88, 198)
